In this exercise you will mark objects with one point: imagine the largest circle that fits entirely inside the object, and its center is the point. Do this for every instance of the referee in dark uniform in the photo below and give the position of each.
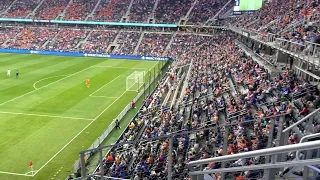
(17, 74)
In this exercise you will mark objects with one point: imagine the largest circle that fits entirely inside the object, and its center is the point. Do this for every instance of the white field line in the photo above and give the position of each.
(104, 85)
(29, 173)
(45, 86)
(104, 97)
(112, 67)
(16, 174)
(44, 115)
(78, 134)
(34, 85)
(2, 172)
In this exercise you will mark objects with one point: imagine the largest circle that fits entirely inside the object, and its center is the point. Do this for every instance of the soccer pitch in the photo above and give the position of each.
(48, 114)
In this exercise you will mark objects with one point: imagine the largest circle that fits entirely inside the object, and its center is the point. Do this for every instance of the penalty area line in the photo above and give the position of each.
(104, 86)
(78, 134)
(115, 67)
(104, 97)
(16, 174)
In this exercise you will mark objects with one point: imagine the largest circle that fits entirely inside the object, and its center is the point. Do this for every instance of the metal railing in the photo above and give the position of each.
(273, 152)
(267, 37)
(307, 75)
(301, 121)
(179, 133)
(307, 51)
(309, 155)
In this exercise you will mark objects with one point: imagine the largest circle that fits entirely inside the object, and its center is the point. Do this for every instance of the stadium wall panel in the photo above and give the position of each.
(113, 56)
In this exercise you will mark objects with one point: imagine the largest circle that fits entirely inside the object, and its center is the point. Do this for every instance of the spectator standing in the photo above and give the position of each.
(133, 105)
(117, 124)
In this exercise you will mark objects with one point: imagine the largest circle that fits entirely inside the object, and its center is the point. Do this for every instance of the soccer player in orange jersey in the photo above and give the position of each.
(88, 82)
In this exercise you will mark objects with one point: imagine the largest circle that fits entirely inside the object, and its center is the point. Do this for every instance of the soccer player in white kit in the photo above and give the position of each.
(9, 73)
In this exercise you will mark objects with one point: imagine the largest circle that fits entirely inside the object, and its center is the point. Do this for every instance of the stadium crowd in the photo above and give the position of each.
(171, 11)
(51, 9)
(21, 8)
(154, 44)
(141, 10)
(79, 10)
(4, 5)
(225, 95)
(111, 11)
(32, 38)
(7, 34)
(128, 42)
(204, 10)
(98, 42)
(227, 91)
(165, 11)
(68, 40)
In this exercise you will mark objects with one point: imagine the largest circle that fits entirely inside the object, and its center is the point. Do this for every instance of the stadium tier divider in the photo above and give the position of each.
(88, 23)
(112, 125)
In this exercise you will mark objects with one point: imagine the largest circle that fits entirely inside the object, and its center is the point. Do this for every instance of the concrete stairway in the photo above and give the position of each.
(169, 44)
(91, 15)
(33, 13)
(6, 11)
(139, 42)
(62, 15)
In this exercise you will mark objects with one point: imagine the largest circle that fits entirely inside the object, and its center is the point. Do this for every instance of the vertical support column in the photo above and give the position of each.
(277, 55)
(170, 158)
(315, 173)
(83, 165)
(282, 137)
(282, 140)
(225, 146)
(268, 172)
(271, 173)
(306, 168)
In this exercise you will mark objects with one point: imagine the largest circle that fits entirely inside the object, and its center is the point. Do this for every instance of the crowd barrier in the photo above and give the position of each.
(114, 56)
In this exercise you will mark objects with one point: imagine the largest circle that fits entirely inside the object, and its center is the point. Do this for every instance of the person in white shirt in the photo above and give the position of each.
(9, 73)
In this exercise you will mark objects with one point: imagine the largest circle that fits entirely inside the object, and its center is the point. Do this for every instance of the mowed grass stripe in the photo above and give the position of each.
(18, 62)
(33, 138)
(6, 57)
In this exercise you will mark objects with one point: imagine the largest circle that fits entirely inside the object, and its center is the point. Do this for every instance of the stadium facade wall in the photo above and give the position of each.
(114, 56)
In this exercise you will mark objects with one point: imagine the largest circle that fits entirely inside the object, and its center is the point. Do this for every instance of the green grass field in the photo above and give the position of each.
(48, 115)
